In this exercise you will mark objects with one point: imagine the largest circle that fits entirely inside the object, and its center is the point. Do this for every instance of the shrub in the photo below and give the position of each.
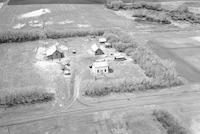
(162, 71)
(111, 37)
(169, 122)
(182, 9)
(11, 36)
(116, 5)
(152, 16)
(121, 46)
(102, 88)
(25, 98)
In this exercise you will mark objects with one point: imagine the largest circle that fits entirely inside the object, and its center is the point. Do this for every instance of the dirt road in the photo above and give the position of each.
(167, 97)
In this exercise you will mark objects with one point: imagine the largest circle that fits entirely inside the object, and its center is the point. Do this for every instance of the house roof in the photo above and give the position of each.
(51, 50)
(100, 64)
(94, 47)
(102, 40)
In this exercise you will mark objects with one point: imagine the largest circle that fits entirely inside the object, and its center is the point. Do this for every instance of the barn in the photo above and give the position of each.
(97, 50)
(54, 53)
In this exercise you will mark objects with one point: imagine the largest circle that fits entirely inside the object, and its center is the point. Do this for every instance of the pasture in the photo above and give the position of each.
(22, 72)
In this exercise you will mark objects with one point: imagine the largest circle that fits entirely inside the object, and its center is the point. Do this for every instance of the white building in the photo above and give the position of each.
(100, 67)
(102, 40)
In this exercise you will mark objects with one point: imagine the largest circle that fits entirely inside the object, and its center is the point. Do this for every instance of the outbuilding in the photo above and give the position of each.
(120, 58)
(54, 53)
(100, 67)
(102, 40)
(97, 50)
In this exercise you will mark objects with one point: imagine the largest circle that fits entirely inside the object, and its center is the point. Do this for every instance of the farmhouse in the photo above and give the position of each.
(54, 53)
(100, 67)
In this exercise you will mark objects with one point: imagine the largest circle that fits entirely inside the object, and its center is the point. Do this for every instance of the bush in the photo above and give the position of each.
(102, 88)
(116, 5)
(169, 122)
(162, 71)
(182, 9)
(121, 46)
(111, 37)
(152, 16)
(25, 98)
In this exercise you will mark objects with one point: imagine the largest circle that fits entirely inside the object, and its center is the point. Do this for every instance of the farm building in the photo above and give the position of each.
(102, 40)
(108, 45)
(97, 50)
(100, 67)
(54, 53)
(120, 58)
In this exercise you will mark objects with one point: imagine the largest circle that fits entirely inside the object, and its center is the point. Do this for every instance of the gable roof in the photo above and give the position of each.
(51, 50)
(94, 47)
(102, 40)
(99, 52)
(100, 64)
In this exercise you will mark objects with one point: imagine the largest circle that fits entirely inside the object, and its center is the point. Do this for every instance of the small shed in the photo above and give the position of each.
(54, 53)
(108, 45)
(100, 67)
(120, 58)
(102, 40)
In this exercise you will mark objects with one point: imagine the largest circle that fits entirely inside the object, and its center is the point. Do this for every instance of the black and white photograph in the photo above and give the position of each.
(99, 66)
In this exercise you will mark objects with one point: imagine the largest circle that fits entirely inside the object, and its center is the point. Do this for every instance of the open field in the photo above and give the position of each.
(70, 16)
(23, 72)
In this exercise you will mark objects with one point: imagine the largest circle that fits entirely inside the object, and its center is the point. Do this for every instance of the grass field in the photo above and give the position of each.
(22, 72)
(100, 122)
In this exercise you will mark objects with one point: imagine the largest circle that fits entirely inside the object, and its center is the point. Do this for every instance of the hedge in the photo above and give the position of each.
(23, 36)
(25, 98)
(168, 122)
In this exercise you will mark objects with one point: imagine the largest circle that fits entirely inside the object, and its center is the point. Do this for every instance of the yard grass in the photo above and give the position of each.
(22, 73)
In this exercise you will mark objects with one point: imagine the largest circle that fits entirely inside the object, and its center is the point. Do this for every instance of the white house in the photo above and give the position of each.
(100, 67)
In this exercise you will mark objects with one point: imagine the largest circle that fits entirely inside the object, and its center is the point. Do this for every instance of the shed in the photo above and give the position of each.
(120, 57)
(102, 40)
(100, 67)
(108, 45)
(54, 53)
